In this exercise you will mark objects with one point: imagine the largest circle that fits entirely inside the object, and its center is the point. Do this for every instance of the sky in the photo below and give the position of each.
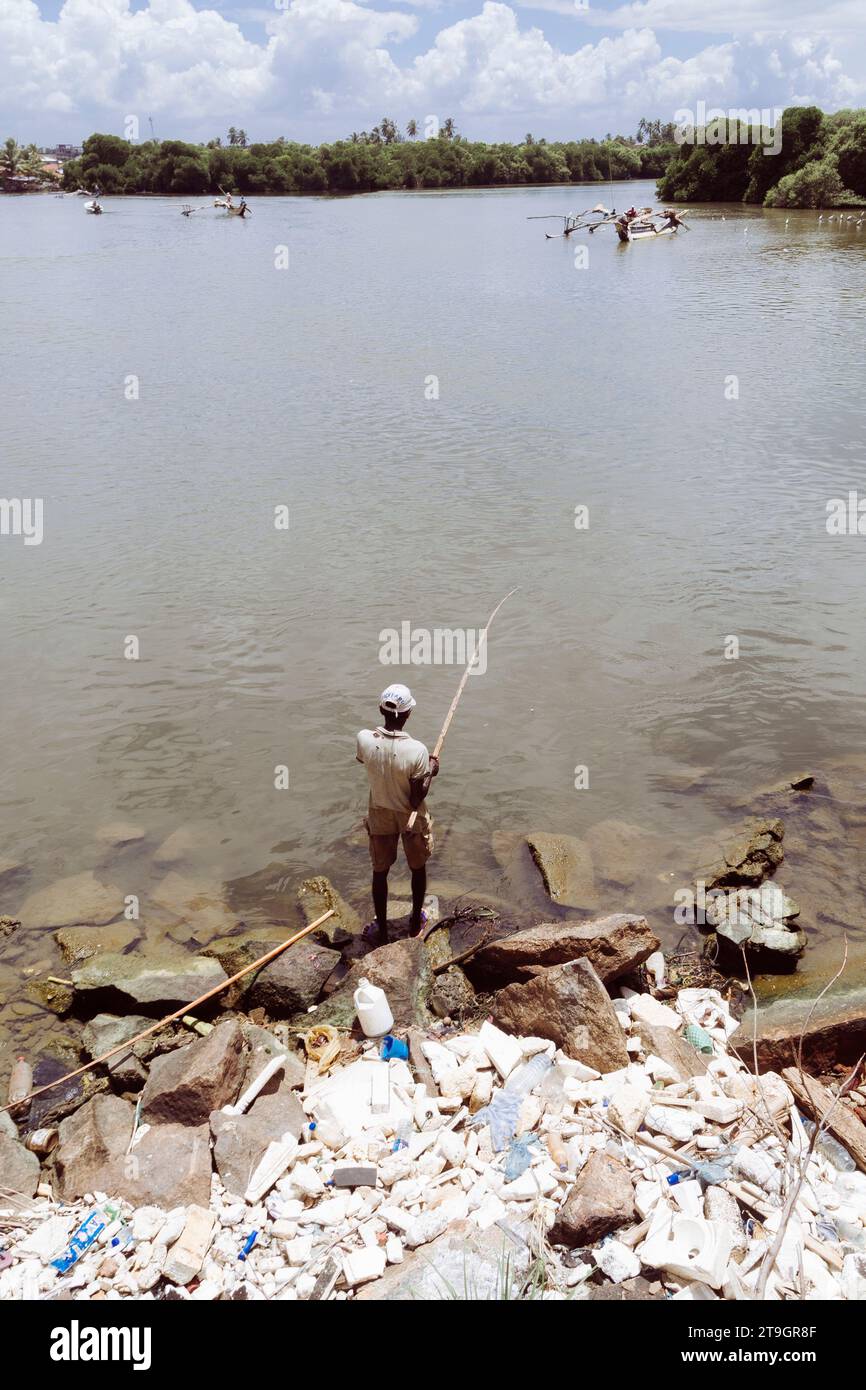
(316, 70)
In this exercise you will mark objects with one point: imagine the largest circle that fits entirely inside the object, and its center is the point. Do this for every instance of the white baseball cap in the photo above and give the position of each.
(397, 699)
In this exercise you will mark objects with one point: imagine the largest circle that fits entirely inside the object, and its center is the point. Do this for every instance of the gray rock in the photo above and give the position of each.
(750, 858)
(161, 978)
(185, 1086)
(92, 1146)
(71, 901)
(105, 1032)
(565, 865)
(569, 1004)
(170, 1166)
(292, 982)
(759, 920)
(262, 1047)
(78, 944)
(62, 1099)
(463, 1264)
(451, 994)
(614, 946)
(8, 1125)
(601, 1201)
(19, 1168)
(672, 1048)
(241, 1140)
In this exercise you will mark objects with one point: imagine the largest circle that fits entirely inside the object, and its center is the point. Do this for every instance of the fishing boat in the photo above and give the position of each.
(229, 206)
(648, 226)
(93, 206)
(573, 221)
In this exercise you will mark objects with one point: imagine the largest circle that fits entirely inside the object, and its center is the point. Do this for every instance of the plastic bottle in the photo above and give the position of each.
(557, 1150)
(526, 1077)
(20, 1082)
(373, 1009)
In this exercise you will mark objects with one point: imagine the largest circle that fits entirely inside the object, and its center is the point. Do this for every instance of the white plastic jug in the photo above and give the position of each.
(373, 1009)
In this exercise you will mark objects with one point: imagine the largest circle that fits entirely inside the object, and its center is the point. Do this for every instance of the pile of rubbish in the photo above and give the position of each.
(464, 1164)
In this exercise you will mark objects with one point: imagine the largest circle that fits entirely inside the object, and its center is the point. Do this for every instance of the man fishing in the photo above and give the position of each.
(399, 770)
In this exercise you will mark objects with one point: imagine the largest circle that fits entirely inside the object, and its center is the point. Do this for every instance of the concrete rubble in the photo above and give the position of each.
(491, 1163)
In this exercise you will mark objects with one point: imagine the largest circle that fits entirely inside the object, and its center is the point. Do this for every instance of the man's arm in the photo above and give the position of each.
(420, 786)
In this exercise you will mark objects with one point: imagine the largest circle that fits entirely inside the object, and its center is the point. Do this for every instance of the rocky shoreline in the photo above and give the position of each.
(577, 1127)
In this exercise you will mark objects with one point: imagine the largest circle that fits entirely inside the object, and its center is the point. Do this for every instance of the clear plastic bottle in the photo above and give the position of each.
(557, 1150)
(20, 1082)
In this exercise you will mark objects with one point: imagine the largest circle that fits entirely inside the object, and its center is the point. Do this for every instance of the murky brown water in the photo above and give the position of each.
(309, 388)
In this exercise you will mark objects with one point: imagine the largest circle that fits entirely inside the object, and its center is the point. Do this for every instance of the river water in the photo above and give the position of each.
(431, 388)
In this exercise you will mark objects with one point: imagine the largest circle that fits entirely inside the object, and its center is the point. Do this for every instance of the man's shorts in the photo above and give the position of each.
(385, 829)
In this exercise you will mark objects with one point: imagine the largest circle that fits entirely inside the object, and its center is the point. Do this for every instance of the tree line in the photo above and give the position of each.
(368, 161)
(821, 162)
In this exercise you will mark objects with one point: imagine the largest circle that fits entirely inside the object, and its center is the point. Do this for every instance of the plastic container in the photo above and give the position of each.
(20, 1082)
(557, 1150)
(394, 1048)
(373, 1009)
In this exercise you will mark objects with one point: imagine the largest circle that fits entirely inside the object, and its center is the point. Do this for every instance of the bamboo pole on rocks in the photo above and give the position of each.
(178, 1013)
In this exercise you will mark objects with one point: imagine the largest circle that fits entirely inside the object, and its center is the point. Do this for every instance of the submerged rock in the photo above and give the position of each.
(118, 833)
(78, 944)
(565, 865)
(570, 1005)
(318, 895)
(613, 945)
(157, 979)
(71, 901)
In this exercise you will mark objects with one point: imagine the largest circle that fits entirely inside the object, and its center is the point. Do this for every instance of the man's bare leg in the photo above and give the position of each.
(419, 892)
(380, 900)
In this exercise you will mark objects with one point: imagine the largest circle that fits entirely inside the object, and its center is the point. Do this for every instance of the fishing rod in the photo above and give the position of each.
(482, 637)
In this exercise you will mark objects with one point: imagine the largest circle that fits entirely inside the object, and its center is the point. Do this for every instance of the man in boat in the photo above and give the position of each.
(242, 206)
(399, 771)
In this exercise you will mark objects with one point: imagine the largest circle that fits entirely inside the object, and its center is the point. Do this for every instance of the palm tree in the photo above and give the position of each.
(11, 157)
(412, 129)
(449, 129)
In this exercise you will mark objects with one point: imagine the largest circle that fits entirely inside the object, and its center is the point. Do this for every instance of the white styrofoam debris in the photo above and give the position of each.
(645, 1009)
(617, 1261)
(503, 1050)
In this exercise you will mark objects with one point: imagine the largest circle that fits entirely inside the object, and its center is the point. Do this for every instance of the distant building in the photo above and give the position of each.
(61, 152)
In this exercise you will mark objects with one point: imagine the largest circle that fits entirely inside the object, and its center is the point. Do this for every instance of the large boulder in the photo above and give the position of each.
(403, 969)
(63, 1097)
(569, 1004)
(19, 1168)
(614, 946)
(157, 979)
(81, 898)
(170, 1166)
(565, 865)
(92, 1146)
(241, 1140)
(462, 1263)
(185, 1086)
(293, 981)
(601, 1201)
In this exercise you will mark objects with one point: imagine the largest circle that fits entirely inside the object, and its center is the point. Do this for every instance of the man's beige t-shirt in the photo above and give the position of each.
(393, 759)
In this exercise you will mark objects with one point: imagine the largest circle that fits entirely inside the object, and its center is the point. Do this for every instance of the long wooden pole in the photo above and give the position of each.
(461, 687)
(218, 989)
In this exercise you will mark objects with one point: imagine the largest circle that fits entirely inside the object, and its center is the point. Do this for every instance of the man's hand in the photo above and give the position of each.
(434, 765)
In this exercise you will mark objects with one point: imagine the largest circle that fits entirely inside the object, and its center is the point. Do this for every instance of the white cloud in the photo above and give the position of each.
(732, 17)
(324, 66)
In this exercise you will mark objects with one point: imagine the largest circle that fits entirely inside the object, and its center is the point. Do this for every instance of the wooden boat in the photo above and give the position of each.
(572, 221)
(647, 226)
(93, 206)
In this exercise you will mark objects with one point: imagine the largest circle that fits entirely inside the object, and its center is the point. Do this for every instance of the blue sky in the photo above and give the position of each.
(318, 69)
